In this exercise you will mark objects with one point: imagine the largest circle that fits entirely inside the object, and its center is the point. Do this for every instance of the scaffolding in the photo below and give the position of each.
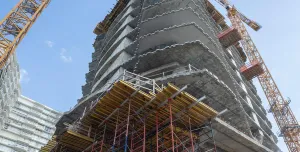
(50, 145)
(135, 114)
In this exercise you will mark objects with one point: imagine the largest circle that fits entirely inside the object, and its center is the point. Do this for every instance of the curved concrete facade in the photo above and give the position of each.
(154, 36)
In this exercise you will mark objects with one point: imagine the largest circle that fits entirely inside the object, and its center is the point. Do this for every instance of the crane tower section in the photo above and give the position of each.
(16, 24)
(286, 120)
(284, 117)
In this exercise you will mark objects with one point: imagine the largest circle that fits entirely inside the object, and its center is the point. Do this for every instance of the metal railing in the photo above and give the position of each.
(141, 82)
(188, 68)
(138, 81)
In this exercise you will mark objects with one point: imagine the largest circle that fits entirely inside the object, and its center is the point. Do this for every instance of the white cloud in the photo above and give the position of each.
(24, 76)
(50, 44)
(63, 57)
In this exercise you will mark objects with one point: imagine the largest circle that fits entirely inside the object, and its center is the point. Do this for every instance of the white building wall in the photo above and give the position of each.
(9, 87)
(28, 127)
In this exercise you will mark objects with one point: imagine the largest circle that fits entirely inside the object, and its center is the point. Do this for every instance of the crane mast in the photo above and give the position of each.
(280, 108)
(285, 119)
(16, 24)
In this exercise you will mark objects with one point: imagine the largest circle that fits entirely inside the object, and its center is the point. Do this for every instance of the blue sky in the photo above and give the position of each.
(54, 55)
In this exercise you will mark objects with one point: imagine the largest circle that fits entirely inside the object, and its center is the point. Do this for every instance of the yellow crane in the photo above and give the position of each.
(16, 24)
(286, 120)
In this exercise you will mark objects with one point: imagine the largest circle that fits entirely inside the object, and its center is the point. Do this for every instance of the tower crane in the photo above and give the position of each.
(16, 24)
(286, 120)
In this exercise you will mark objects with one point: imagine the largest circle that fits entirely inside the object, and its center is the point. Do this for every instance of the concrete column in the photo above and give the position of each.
(258, 134)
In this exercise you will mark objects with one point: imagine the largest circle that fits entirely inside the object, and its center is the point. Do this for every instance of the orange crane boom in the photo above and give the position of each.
(254, 25)
(16, 24)
(286, 120)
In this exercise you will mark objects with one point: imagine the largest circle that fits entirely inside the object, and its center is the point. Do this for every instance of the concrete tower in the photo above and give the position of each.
(185, 42)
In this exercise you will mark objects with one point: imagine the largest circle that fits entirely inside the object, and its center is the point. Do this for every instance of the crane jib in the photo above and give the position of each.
(16, 24)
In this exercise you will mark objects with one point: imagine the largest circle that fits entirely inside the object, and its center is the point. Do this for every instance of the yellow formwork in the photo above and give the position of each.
(114, 107)
(75, 140)
(216, 15)
(103, 26)
(112, 100)
(122, 91)
(50, 145)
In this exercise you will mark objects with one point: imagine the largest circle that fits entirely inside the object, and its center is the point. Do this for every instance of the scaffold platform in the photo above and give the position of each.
(128, 117)
(50, 145)
(229, 37)
(252, 70)
(75, 140)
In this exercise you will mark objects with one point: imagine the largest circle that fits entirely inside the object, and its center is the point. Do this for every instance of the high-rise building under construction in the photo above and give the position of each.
(186, 43)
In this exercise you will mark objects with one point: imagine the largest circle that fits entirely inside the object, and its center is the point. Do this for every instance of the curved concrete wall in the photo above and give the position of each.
(150, 34)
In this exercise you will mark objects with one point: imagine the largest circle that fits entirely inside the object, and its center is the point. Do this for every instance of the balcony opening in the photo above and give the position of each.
(241, 52)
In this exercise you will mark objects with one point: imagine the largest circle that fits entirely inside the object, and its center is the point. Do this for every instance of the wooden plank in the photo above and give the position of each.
(80, 136)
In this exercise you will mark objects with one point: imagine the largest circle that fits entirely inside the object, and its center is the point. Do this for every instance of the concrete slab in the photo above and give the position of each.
(229, 135)
(194, 53)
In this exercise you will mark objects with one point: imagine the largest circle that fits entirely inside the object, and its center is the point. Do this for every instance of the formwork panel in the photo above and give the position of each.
(50, 145)
(252, 70)
(129, 114)
(229, 37)
(74, 141)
